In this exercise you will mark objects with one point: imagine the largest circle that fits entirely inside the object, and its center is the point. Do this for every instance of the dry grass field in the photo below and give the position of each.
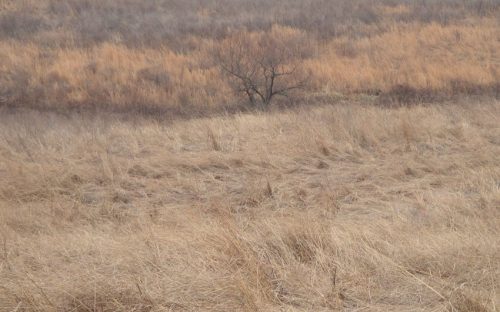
(250, 155)
(348, 207)
(155, 55)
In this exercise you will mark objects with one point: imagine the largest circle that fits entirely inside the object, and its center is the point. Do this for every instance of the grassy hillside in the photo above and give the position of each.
(345, 207)
(156, 56)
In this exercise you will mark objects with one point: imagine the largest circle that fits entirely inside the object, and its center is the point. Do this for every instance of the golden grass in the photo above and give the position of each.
(336, 208)
(420, 56)
(110, 74)
(449, 59)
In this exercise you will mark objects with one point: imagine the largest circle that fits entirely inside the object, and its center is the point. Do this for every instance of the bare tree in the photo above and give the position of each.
(263, 66)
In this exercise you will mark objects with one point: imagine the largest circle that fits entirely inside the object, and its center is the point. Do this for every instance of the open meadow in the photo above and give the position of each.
(335, 208)
(235, 155)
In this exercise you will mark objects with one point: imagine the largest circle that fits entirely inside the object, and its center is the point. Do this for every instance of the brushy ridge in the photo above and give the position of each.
(128, 55)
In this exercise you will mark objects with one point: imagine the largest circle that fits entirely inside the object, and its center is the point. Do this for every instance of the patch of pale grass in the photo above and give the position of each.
(334, 208)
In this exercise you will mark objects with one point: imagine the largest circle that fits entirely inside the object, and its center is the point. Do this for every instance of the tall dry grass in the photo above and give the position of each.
(344, 207)
(128, 54)
(424, 57)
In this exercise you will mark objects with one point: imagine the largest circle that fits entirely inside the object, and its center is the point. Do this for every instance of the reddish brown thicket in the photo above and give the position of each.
(263, 66)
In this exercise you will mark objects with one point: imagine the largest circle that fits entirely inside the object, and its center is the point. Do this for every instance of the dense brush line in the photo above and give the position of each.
(158, 55)
(156, 22)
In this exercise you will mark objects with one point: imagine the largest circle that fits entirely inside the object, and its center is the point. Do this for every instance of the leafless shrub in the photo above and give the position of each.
(263, 66)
